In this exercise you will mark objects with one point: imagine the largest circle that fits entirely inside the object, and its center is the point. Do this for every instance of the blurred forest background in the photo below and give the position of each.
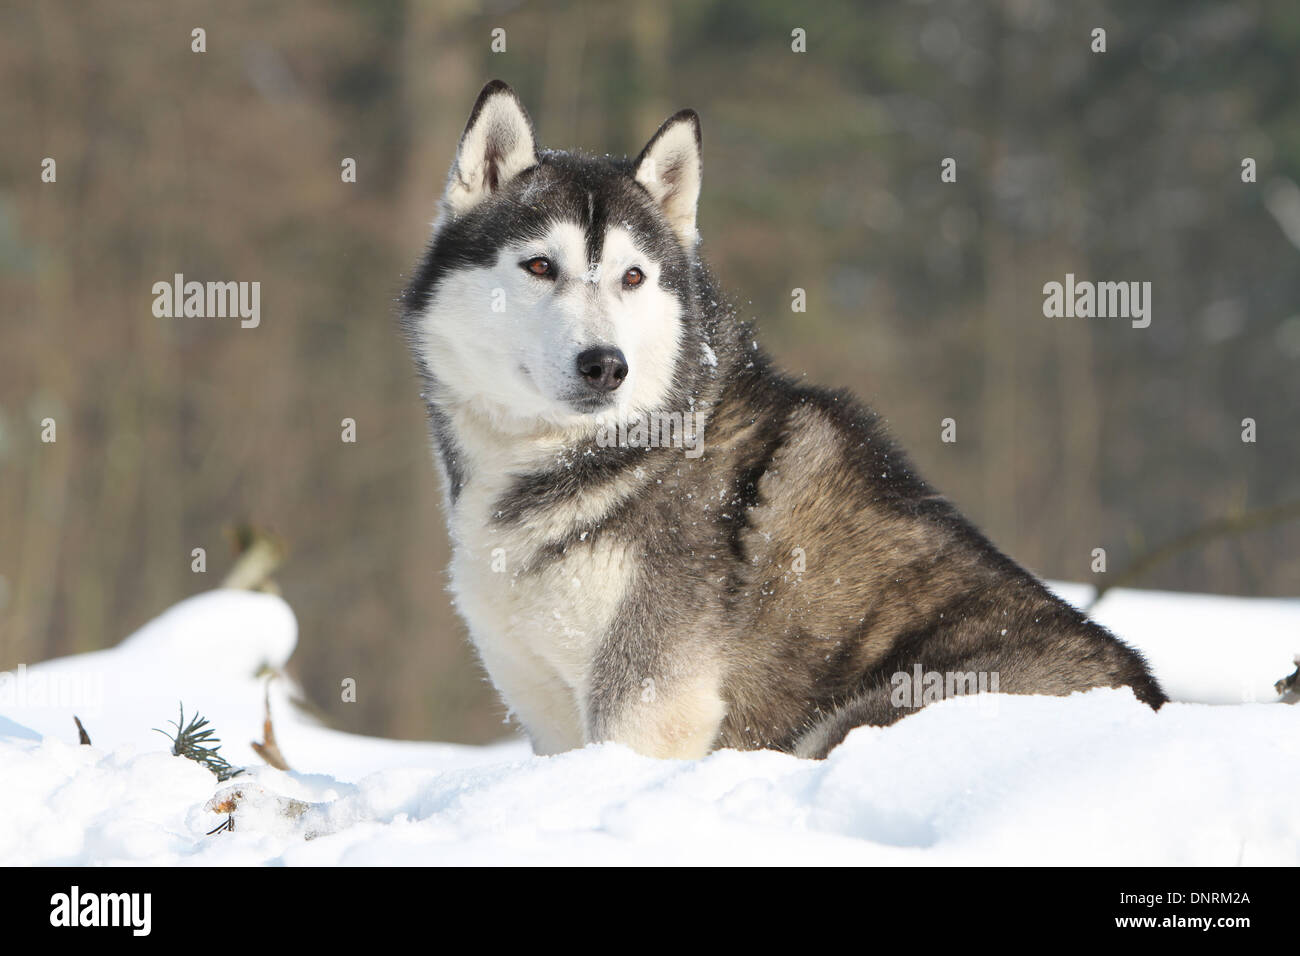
(821, 172)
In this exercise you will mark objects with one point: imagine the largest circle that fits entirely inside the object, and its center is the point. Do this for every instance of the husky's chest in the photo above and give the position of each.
(537, 612)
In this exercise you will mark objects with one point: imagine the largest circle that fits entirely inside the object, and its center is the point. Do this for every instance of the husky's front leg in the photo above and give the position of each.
(669, 717)
(535, 695)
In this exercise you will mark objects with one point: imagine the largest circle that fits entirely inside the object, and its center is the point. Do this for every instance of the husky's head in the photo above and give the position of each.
(558, 288)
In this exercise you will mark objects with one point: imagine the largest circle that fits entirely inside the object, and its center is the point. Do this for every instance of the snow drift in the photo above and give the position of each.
(1095, 778)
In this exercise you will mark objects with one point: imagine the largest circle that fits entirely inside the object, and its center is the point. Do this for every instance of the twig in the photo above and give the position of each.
(269, 750)
(1289, 687)
(195, 740)
(1211, 531)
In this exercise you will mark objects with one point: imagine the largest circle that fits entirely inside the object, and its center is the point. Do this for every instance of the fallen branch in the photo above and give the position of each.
(258, 554)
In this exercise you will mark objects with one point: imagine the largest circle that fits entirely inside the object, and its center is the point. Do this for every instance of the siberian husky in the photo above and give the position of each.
(658, 538)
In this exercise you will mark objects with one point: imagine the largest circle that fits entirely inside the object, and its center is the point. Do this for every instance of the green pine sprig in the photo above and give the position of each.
(195, 740)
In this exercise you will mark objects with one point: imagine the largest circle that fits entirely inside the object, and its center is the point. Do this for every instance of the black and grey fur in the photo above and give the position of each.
(763, 594)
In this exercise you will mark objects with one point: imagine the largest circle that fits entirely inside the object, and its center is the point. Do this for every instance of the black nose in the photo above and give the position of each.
(603, 367)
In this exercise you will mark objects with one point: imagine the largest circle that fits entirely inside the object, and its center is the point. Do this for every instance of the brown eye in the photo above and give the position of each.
(540, 266)
(633, 278)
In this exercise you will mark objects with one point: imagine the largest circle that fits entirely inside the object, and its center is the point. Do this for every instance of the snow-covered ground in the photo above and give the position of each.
(1094, 778)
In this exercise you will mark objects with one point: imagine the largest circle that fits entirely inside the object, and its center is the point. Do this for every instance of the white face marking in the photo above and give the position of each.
(506, 342)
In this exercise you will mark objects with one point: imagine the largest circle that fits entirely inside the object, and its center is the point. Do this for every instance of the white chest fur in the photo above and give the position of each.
(536, 617)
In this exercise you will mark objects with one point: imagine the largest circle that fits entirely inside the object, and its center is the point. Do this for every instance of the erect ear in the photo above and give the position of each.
(670, 169)
(497, 146)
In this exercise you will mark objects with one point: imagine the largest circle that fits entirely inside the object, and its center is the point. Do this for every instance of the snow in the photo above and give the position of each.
(1093, 778)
